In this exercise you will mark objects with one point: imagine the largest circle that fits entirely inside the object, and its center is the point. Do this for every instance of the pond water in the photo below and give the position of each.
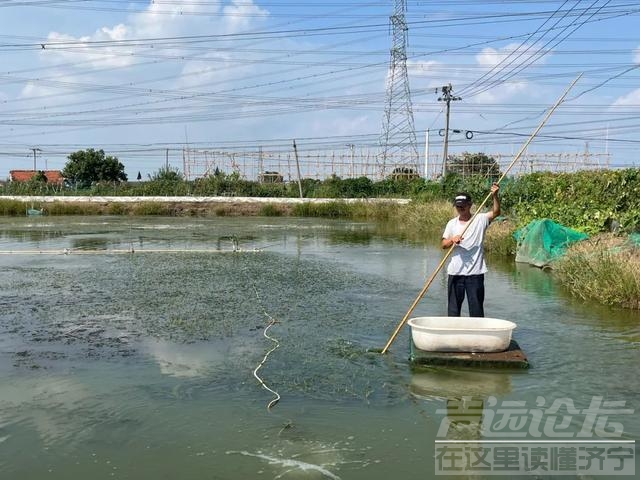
(141, 365)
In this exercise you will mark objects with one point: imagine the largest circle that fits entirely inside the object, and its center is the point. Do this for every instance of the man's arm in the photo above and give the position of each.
(448, 242)
(495, 211)
(448, 239)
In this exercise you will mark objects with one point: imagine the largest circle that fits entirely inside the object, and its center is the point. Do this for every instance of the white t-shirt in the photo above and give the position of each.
(467, 257)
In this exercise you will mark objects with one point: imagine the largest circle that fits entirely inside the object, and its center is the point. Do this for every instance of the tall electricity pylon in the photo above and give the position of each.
(398, 140)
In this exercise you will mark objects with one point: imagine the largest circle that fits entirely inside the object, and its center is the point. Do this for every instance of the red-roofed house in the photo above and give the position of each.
(54, 177)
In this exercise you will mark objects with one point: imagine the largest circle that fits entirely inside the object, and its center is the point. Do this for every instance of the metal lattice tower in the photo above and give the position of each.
(398, 140)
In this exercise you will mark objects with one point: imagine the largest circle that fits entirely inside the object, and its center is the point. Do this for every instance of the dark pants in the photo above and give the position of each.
(473, 286)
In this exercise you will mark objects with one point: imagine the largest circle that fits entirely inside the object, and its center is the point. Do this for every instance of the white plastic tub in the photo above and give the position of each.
(461, 334)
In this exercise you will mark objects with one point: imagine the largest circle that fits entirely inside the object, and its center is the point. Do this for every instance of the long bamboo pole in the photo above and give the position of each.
(450, 251)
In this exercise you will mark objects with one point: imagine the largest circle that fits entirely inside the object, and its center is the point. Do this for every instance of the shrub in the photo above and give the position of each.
(152, 208)
(270, 210)
(329, 209)
(118, 209)
(13, 208)
(60, 208)
(602, 269)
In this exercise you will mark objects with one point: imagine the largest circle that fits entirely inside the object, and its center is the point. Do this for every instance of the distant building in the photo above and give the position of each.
(270, 177)
(54, 177)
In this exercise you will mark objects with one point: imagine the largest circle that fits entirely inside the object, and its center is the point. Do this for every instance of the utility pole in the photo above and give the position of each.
(35, 150)
(295, 150)
(166, 160)
(351, 147)
(585, 160)
(426, 154)
(184, 165)
(446, 97)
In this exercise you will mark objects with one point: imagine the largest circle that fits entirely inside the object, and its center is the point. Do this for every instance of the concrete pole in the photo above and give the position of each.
(445, 150)
(426, 154)
(352, 146)
(295, 150)
(446, 97)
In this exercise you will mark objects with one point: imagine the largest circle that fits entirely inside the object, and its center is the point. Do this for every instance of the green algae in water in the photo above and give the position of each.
(194, 298)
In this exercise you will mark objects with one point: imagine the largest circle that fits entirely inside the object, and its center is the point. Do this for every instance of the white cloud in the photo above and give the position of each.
(209, 71)
(71, 49)
(164, 19)
(430, 70)
(489, 57)
(242, 14)
(500, 64)
(511, 56)
(43, 88)
(159, 20)
(502, 92)
(181, 68)
(630, 99)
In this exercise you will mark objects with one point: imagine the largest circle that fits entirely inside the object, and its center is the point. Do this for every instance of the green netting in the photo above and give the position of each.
(634, 239)
(543, 241)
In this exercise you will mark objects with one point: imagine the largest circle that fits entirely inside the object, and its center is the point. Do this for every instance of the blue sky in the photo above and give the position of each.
(140, 79)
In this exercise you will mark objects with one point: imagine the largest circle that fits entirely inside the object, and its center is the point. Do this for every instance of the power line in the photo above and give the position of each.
(542, 51)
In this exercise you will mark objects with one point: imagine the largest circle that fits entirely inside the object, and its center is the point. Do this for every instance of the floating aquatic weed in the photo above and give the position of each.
(197, 297)
(287, 426)
(345, 349)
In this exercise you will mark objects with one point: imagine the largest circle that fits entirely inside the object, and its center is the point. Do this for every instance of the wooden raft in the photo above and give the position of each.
(512, 357)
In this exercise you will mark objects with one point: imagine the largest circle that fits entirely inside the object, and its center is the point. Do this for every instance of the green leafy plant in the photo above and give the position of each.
(270, 210)
(88, 166)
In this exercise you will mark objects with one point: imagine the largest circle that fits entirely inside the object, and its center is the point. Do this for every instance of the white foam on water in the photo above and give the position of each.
(289, 462)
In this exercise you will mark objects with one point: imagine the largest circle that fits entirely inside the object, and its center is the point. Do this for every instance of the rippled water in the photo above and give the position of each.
(140, 365)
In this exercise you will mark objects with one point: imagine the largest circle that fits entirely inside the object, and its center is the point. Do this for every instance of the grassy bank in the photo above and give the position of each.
(605, 269)
(13, 208)
(416, 218)
(427, 219)
(589, 201)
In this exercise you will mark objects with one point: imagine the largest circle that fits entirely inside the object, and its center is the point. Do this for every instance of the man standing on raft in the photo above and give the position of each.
(467, 267)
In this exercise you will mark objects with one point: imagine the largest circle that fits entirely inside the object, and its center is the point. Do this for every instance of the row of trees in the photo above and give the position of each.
(586, 200)
(104, 174)
(96, 173)
(86, 167)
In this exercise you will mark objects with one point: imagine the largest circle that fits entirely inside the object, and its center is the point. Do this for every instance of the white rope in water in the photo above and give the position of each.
(272, 322)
